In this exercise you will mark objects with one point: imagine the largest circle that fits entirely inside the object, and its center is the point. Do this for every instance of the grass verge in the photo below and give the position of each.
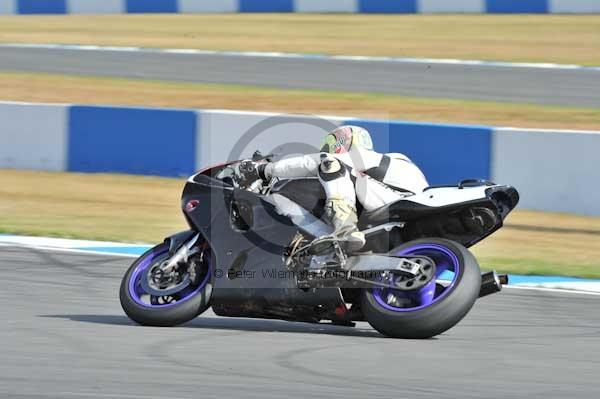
(16, 86)
(146, 209)
(530, 38)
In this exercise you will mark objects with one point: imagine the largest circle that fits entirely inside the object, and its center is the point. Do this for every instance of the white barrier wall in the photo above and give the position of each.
(33, 136)
(446, 6)
(8, 7)
(574, 6)
(230, 135)
(553, 170)
(326, 6)
(95, 6)
(341, 6)
(208, 6)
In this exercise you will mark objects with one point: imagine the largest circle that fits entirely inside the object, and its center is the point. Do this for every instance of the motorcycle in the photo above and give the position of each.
(249, 252)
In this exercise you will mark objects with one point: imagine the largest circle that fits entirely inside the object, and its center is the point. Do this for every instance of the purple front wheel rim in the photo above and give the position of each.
(135, 289)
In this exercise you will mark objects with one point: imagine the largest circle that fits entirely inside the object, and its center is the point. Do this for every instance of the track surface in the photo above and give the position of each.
(576, 87)
(63, 335)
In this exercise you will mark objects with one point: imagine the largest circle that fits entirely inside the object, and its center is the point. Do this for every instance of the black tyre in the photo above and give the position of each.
(432, 309)
(164, 311)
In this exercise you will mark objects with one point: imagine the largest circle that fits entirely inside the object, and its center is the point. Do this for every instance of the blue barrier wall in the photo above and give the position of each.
(357, 6)
(446, 153)
(129, 140)
(151, 6)
(513, 6)
(388, 6)
(172, 142)
(266, 6)
(41, 6)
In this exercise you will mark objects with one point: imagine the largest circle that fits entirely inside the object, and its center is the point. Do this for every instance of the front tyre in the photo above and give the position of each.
(187, 296)
(434, 308)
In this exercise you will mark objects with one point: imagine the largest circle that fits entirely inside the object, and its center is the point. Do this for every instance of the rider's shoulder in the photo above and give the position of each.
(397, 155)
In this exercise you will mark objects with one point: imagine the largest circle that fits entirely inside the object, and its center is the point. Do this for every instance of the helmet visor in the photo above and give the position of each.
(328, 144)
(339, 141)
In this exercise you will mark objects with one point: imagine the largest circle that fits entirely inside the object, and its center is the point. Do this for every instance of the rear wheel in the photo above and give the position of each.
(433, 308)
(152, 299)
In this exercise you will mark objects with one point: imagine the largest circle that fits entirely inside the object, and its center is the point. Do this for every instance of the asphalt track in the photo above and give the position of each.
(64, 335)
(550, 86)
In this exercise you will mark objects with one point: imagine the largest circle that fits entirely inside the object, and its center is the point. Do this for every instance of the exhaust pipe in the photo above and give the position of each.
(491, 283)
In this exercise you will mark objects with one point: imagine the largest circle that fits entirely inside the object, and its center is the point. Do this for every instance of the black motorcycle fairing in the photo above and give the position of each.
(250, 277)
(248, 239)
(505, 198)
(467, 223)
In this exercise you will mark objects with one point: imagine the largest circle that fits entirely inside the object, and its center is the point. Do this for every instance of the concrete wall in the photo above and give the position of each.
(8, 7)
(326, 6)
(445, 6)
(346, 6)
(208, 6)
(574, 6)
(33, 136)
(95, 6)
(553, 170)
(230, 135)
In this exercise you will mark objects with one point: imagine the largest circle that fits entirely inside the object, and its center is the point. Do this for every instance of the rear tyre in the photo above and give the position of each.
(422, 314)
(169, 311)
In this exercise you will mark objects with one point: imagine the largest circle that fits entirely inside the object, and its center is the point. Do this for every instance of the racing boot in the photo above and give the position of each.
(343, 218)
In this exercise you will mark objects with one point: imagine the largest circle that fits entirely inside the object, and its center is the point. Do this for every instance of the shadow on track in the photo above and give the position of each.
(233, 324)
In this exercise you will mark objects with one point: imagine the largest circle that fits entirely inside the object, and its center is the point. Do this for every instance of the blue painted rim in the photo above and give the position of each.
(445, 260)
(135, 289)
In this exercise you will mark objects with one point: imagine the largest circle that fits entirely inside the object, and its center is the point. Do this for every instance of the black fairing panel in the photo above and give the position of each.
(467, 223)
(506, 198)
(407, 211)
(250, 277)
(248, 238)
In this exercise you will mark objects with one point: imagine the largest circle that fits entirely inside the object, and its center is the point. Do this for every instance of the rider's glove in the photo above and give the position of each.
(251, 170)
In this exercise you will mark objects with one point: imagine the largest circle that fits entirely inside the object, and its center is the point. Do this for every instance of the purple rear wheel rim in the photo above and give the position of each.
(136, 291)
(444, 259)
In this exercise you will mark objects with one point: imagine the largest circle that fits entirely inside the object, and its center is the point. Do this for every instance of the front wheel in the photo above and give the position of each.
(151, 298)
(433, 308)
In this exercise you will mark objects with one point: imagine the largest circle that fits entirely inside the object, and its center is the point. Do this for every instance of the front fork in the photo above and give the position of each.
(181, 247)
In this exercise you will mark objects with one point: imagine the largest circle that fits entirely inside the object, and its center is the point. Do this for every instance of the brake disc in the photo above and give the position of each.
(152, 282)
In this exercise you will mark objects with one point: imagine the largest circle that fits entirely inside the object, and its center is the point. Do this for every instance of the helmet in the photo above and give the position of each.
(343, 138)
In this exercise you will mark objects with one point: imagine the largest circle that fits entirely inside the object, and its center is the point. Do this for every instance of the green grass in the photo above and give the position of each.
(539, 267)
(146, 209)
(530, 38)
(33, 87)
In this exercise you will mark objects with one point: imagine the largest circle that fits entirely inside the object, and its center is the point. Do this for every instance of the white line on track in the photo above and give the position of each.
(558, 290)
(70, 250)
(117, 395)
(86, 252)
(357, 58)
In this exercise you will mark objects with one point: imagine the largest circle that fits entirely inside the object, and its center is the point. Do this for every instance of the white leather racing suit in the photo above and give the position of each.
(374, 179)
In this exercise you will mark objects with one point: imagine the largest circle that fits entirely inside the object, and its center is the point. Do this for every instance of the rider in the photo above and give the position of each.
(348, 168)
